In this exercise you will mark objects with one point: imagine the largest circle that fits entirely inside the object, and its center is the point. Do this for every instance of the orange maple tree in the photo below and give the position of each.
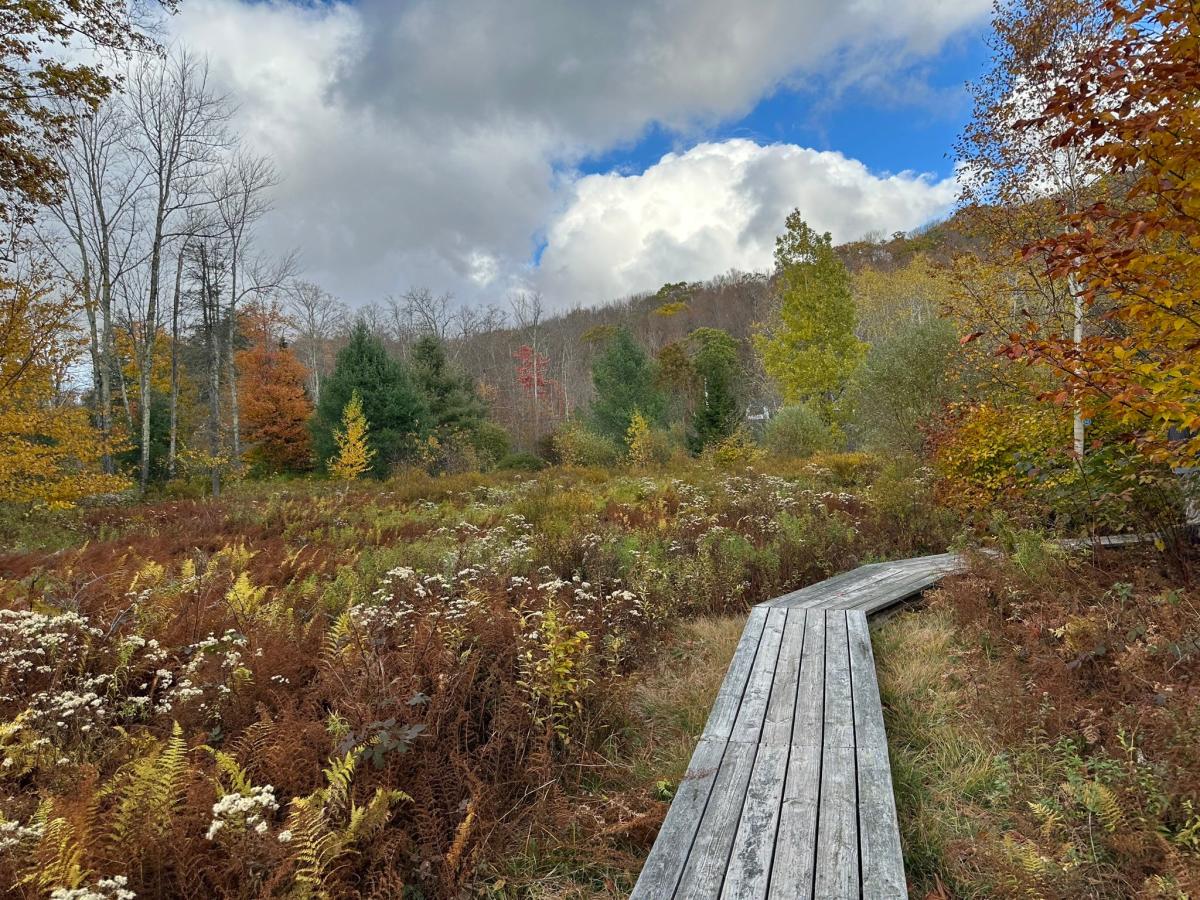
(273, 402)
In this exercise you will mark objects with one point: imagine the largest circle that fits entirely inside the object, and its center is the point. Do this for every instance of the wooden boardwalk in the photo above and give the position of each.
(789, 792)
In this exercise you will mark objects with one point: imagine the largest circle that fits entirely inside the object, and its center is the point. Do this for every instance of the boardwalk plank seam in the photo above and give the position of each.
(741, 741)
(790, 796)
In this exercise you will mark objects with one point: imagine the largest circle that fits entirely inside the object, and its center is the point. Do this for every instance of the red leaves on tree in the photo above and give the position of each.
(531, 376)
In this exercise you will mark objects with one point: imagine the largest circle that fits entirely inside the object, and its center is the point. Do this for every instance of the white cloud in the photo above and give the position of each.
(718, 207)
(431, 142)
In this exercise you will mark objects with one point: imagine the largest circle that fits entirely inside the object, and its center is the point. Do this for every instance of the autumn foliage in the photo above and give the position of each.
(49, 453)
(1132, 105)
(275, 407)
(354, 455)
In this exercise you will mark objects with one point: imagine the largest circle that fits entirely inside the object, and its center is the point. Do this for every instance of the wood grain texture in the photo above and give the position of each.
(789, 793)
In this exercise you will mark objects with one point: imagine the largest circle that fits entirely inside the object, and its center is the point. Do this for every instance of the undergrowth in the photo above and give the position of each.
(420, 688)
(1043, 721)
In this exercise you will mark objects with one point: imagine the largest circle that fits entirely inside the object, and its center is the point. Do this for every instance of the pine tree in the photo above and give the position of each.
(810, 348)
(715, 361)
(454, 407)
(353, 454)
(394, 409)
(624, 380)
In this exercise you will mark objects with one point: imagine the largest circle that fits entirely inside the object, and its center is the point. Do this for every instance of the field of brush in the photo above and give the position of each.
(411, 688)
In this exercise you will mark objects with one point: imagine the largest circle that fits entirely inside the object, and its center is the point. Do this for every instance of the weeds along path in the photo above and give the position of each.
(789, 791)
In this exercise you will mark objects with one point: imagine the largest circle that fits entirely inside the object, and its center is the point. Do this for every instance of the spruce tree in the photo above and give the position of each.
(715, 362)
(454, 407)
(393, 406)
(624, 379)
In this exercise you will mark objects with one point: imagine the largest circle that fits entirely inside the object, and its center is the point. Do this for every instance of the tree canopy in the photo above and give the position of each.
(394, 409)
(624, 379)
(809, 347)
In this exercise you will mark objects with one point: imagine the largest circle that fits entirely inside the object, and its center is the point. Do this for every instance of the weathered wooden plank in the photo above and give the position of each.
(708, 860)
(749, 872)
(882, 861)
(794, 869)
(837, 834)
(901, 587)
(839, 706)
(822, 588)
(781, 712)
(828, 597)
(810, 692)
(729, 697)
(664, 865)
(748, 726)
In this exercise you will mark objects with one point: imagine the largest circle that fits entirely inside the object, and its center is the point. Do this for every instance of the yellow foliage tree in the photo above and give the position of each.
(49, 453)
(809, 346)
(354, 455)
(889, 300)
(639, 440)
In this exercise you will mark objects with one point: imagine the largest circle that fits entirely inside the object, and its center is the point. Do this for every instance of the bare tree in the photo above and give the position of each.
(208, 270)
(179, 130)
(317, 314)
(430, 313)
(92, 237)
(240, 191)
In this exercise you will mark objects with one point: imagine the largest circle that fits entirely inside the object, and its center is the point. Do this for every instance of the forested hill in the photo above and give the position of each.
(734, 302)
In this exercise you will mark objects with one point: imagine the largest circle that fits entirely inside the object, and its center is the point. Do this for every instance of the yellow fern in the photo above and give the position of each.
(244, 598)
(149, 791)
(321, 841)
(1101, 802)
(228, 766)
(57, 860)
(337, 637)
(1050, 817)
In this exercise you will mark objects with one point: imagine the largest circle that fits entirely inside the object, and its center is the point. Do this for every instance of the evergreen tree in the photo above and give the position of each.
(715, 361)
(393, 406)
(353, 449)
(625, 383)
(810, 348)
(273, 400)
(454, 407)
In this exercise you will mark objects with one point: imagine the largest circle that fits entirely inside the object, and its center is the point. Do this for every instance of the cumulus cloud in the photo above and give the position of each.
(434, 141)
(718, 207)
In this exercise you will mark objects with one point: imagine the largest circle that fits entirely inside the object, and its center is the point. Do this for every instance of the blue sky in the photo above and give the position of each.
(485, 148)
(913, 131)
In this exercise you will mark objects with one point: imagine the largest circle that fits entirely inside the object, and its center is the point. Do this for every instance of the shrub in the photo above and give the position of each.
(492, 443)
(576, 445)
(800, 431)
(847, 469)
(736, 452)
(902, 386)
(521, 462)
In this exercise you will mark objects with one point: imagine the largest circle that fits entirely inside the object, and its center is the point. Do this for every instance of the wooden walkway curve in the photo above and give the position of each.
(789, 792)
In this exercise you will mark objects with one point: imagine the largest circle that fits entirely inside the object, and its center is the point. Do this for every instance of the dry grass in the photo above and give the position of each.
(667, 709)
(1044, 734)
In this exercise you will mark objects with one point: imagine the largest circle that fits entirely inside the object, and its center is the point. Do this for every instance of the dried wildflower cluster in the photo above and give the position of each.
(318, 692)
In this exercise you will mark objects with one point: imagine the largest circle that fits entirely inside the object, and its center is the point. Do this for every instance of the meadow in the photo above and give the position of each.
(410, 688)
